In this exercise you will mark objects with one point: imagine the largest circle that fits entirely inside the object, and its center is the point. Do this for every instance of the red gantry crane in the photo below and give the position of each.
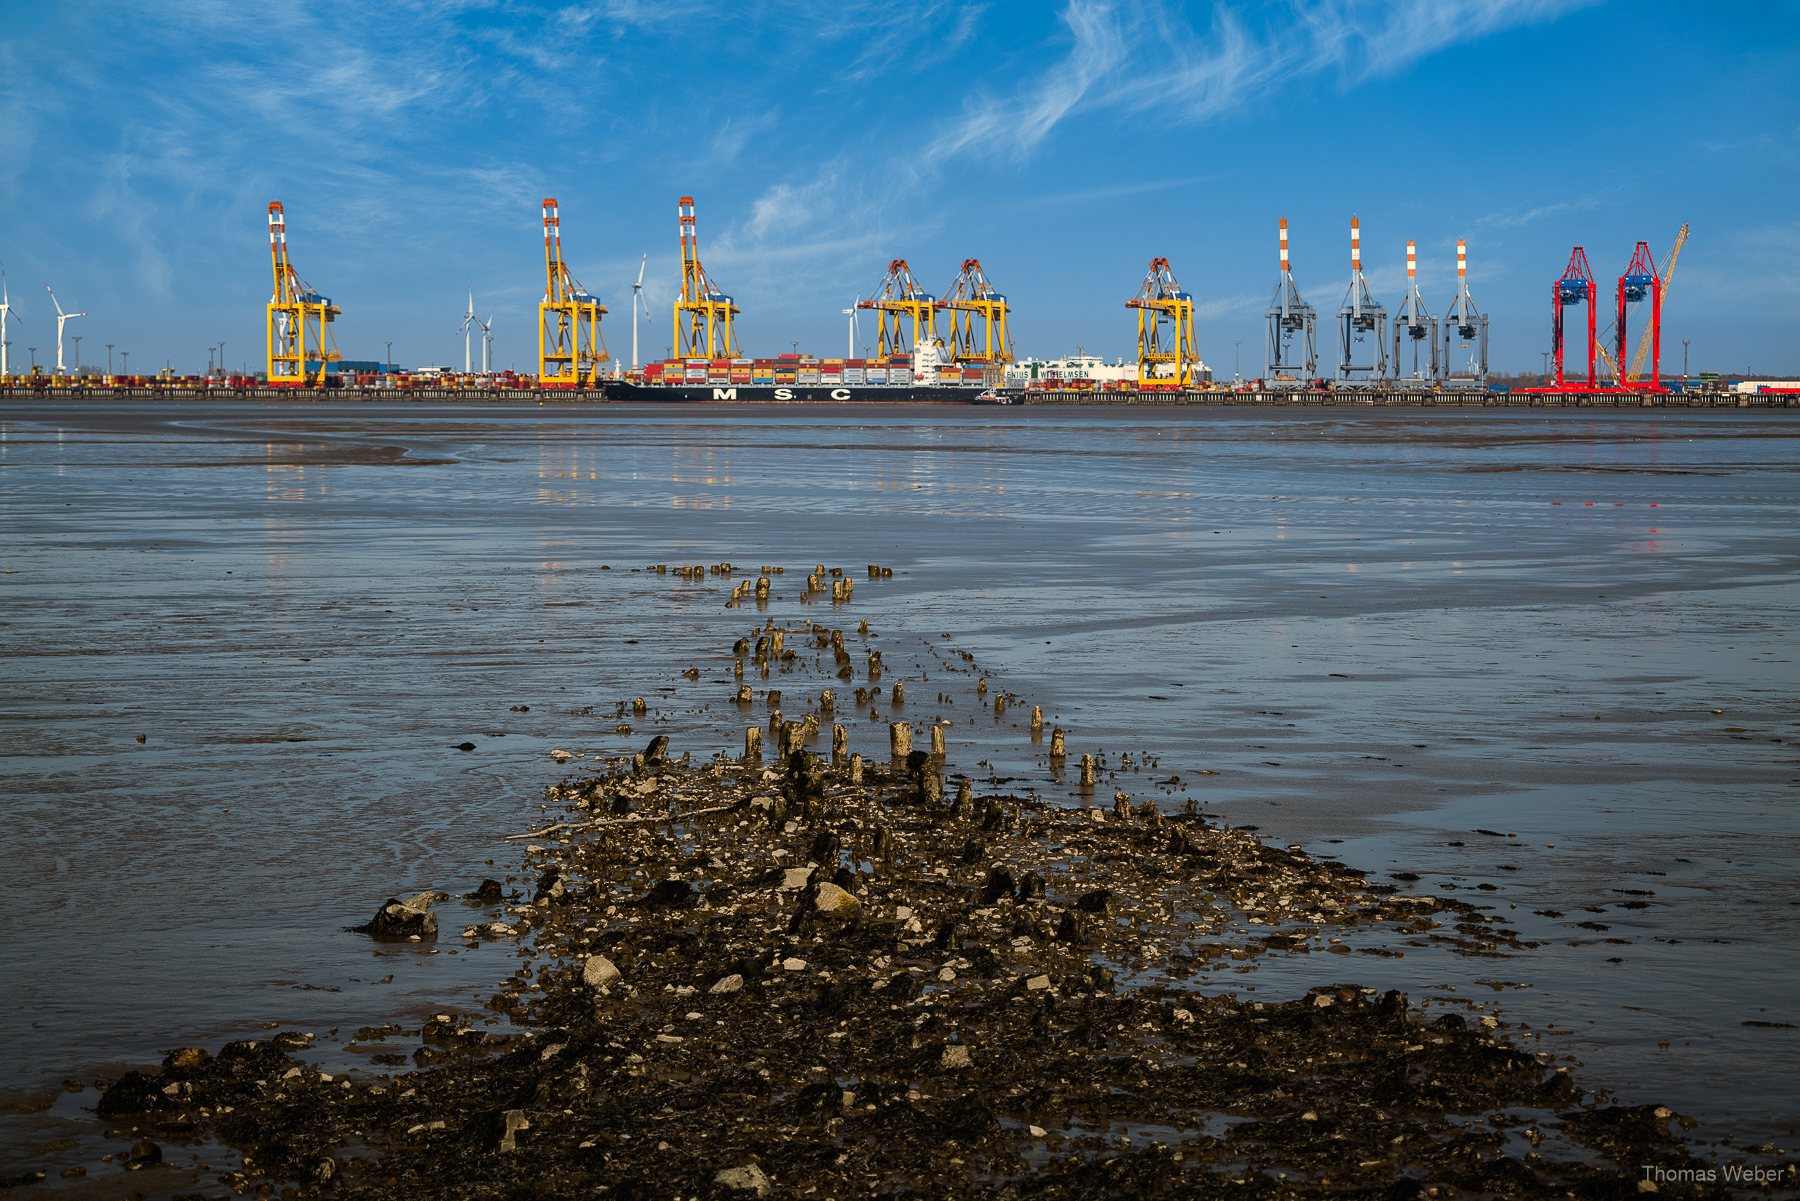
(1641, 282)
(1575, 287)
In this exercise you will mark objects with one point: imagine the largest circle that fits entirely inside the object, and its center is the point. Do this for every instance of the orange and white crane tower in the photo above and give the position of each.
(703, 313)
(906, 314)
(1467, 325)
(1360, 318)
(570, 348)
(973, 295)
(299, 318)
(1414, 324)
(1292, 341)
(1166, 349)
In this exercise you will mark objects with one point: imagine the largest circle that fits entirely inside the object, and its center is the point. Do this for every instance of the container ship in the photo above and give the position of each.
(922, 375)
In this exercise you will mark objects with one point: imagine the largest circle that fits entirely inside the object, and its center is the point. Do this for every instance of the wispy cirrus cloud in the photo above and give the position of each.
(1517, 218)
(1138, 59)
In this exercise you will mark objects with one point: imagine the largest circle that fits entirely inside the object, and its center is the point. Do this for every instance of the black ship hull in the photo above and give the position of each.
(624, 390)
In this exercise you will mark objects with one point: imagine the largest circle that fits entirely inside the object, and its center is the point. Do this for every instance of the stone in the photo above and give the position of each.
(401, 921)
(599, 973)
(143, 1154)
(795, 878)
(488, 892)
(955, 1059)
(836, 901)
(507, 1126)
(1072, 929)
(727, 984)
(793, 964)
(747, 1179)
(1037, 983)
(657, 751)
(134, 1092)
(677, 894)
(561, 756)
(187, 1059)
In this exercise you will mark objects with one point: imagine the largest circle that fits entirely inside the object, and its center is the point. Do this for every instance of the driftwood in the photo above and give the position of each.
(636, 819)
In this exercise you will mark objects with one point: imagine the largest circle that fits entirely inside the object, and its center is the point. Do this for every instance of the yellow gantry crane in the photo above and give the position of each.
(570, 348)
(972, 295)
(1165, 328)
(905, 312)
(703, 313)
(299, 319)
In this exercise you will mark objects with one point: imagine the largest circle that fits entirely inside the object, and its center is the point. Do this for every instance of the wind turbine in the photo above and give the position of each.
(852, 314)
(487, 345)
(62, 318)
(5, 312)
(468, 324)
(637, 302)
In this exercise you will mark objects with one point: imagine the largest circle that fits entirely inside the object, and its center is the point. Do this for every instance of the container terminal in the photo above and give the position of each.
(956, 347)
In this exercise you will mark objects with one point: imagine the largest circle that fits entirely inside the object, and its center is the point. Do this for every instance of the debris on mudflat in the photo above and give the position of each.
(403, 920)
(786, 983)
(836, 977)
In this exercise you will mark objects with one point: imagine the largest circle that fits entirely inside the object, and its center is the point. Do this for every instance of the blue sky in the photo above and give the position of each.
(1063, 145)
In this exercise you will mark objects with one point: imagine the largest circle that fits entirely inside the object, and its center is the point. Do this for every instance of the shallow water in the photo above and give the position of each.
(1381, 632)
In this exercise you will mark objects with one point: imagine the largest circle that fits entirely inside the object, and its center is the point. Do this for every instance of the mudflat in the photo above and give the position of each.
(266, 666)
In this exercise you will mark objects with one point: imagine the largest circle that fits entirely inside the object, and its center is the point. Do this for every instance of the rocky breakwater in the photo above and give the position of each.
(848, 980)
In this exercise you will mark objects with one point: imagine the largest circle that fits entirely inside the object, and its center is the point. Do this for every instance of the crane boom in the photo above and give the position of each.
(905, 313)
(1165, 329)
(1643, 346)
(972, 295)
(298, 325)
(570, 346)
(704, 314)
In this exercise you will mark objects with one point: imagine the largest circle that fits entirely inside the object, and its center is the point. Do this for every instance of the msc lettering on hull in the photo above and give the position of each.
(777, 393)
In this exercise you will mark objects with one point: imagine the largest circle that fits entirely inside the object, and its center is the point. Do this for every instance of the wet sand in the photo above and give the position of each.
(304, 634)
